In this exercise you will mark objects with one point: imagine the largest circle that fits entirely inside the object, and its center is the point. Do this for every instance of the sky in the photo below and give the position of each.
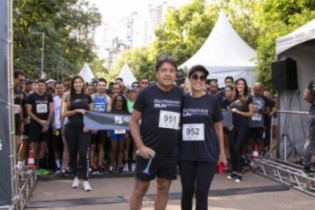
(114, 10)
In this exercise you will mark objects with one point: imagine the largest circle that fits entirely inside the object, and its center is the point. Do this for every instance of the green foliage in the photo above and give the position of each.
(185, 30)
(258, 22)
(275, 19)
(66, 24)
(138, 61)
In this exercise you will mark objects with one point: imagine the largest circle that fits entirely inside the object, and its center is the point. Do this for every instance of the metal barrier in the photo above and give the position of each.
(26, 181)
(284, 163)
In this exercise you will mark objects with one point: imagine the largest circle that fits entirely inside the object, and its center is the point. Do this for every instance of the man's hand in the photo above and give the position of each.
(146, 152)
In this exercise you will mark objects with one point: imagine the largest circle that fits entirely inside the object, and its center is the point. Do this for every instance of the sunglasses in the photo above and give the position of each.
(145, 83)
(22, 80)
(196, 77)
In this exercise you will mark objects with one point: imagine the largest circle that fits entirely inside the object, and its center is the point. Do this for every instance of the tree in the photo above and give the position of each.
(66, 24)
(185, 30)
(138, 61)
(275, 19)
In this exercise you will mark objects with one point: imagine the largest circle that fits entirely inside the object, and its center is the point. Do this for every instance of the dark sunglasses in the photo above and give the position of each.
(201, 78)
(145, 83)
(22, 80)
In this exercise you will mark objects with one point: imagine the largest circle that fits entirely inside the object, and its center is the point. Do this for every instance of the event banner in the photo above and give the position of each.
(111, 121)
(106, 121)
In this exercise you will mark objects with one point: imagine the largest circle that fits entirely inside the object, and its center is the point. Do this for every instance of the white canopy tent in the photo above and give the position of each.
(300, 46)
(224, 53)
(87, 73)
(127, 75)
(300, 35)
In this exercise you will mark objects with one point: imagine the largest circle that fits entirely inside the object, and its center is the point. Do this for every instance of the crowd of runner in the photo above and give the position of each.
(44, 108)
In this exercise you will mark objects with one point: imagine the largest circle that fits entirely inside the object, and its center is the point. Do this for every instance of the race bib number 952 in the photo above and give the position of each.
(169, 120)
(193, 132)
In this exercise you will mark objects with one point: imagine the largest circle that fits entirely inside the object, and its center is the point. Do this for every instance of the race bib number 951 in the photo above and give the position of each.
(193, 132)
(169, 120)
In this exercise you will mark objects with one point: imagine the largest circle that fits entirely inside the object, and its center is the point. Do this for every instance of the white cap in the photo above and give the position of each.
(50, 80)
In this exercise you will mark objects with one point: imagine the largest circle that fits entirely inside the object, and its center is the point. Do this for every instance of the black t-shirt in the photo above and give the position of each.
(18, 95)
(40, 107)
(78, 103)
(199, 140)
(311, 87)
(24, 103)
(239, 119)
(226, 105)
(159, 126)
(267, 118)
(261, 103)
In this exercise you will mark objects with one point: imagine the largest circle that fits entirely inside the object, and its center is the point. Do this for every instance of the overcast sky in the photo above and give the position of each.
(113, 10)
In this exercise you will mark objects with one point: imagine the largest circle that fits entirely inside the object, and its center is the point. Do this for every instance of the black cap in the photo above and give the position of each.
(198, 68)
(133, 90)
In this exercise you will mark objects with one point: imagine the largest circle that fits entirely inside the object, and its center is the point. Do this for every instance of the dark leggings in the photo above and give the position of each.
(237, 138)
(196, 177)
(78, 143)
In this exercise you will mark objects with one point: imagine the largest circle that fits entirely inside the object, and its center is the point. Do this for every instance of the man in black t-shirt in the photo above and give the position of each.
(309, 96)
(158, 107)
(40, 108)
(19, 78)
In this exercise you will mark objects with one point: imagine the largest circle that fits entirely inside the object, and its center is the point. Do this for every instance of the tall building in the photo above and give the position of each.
(137, 29)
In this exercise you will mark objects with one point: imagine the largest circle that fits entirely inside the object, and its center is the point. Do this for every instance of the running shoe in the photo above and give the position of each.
(238, 178)
(75, 183)
(20, 165)
(133, 167)
(86, 186)
(233, 175)
(126, 167)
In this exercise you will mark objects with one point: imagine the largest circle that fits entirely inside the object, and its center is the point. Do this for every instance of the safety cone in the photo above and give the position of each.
(31, 160)
(254, 158)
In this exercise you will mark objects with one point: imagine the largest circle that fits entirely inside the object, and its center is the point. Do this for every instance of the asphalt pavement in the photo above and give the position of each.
(112, 192)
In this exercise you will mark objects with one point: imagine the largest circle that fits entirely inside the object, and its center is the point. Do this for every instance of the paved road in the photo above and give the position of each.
(254, 193)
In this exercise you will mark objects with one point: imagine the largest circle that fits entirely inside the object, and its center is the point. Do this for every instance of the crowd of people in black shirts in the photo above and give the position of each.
(49, 118)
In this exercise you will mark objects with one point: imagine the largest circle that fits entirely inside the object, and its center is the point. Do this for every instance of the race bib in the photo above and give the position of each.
(168, 120)
(256, 117)
(120, 131)
(16, 108)
(41, 108)
(193, 132)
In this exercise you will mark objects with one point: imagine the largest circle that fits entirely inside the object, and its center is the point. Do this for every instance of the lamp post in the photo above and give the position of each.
(43, 52)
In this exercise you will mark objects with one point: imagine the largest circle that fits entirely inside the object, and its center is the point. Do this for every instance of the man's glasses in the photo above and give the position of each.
(22, 80)
(196, 77)
(144, 83)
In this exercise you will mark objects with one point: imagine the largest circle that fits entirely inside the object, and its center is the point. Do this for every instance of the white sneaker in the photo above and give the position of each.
(126, 168)
(20, 165)
(133, 167)
(86, 186)
(75, 183)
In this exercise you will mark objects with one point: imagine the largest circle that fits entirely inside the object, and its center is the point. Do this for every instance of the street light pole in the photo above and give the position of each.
(43, 54)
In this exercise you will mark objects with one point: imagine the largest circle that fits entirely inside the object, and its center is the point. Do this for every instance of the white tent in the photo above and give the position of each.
(224, 53)
(127, 75)
(300, 35)
(300, 46)
(87, 73)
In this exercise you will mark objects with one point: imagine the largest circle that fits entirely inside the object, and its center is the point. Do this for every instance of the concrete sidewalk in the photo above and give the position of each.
(254, 193)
